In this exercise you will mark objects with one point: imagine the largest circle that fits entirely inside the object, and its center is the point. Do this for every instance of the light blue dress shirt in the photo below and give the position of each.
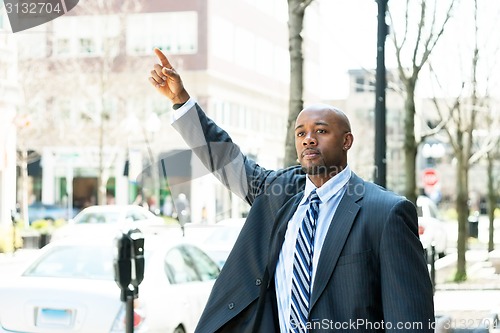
(330, 195)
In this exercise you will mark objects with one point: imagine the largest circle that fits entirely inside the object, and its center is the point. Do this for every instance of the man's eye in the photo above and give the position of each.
(300, 134)
(321, 131)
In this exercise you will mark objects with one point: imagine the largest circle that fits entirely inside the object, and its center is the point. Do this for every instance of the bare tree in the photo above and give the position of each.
(104, 72)
(463, 129)
(296, 10)
(35, 128)
(23, 158)
(79, 102)
(418, 48)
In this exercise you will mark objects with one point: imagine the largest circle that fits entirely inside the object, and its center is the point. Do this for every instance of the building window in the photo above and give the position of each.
(62, 46)
(86, 46)
(360, 84)
(174, 32)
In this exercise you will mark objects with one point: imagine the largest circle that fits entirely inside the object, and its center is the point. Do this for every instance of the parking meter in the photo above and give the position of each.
(129, 262)
(129, 270)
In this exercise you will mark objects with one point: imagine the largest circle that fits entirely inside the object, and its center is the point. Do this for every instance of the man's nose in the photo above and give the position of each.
(309, 139)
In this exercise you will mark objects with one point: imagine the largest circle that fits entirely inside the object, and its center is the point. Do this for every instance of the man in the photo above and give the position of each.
(321, 250)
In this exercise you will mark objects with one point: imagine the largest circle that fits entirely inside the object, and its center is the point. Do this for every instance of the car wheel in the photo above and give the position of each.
(179, 329)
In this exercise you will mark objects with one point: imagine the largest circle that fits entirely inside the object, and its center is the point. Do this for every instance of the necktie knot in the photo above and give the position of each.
(314, 202)
(313, 195)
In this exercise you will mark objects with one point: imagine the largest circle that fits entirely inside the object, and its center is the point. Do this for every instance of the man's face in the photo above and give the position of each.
(322, 138)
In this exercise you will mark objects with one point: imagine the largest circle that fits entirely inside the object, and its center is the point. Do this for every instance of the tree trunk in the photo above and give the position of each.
(24, 189)
(491, 203)
(410, 145)
(296, 103)
(462, 206)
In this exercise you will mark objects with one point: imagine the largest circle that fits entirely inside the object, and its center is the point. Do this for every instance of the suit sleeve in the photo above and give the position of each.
(407, 292)
(220, 155)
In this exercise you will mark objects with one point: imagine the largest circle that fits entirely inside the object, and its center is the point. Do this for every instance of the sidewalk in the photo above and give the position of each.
(481, 274)
(474, 301)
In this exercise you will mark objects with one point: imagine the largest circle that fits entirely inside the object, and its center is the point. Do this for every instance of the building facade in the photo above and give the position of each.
(108, 123)
(360, 108)
(8, 122)
(435, 156)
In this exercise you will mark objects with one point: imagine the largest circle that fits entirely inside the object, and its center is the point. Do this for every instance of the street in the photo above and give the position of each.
(467, 304)
(477, 300)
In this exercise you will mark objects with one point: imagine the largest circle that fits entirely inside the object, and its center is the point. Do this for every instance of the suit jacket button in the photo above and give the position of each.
(230, 306)
(258, 282)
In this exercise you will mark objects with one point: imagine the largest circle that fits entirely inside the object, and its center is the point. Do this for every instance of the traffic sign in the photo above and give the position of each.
(430, 177)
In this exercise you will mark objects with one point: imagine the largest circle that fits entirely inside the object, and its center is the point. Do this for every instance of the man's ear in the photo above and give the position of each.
(348, 140)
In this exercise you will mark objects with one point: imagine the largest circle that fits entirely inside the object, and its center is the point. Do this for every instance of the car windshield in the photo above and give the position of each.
(75, 262)
(98, 217)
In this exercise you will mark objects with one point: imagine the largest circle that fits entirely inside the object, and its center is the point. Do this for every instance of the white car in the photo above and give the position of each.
(431, 229)
(70, 287)
(94, 219)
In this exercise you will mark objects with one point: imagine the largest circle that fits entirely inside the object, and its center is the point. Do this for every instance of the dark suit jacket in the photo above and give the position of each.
(371, 276)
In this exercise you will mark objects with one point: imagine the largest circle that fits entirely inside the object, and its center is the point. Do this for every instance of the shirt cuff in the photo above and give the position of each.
(182, 109)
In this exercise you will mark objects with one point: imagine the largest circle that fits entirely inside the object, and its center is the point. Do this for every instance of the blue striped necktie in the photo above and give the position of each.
(302, 267)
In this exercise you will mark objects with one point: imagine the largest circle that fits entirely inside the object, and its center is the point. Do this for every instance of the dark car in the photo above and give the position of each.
(41, 211)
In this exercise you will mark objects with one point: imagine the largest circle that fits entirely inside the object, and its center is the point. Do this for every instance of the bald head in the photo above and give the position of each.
(342, 120)
(322, 138)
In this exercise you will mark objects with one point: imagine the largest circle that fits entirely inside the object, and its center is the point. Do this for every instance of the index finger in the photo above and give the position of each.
(163, 59)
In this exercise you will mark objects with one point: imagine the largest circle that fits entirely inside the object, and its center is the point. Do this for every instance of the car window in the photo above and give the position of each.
(75, 262)
(427, 208)
(206, 267)
(136, 215)
(95, 217)
(419, 211)
(433, 211)
(179, 267)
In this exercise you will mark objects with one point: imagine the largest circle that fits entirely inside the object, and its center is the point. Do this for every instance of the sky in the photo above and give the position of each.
(349, 40)
(348, 32)
(349, 37)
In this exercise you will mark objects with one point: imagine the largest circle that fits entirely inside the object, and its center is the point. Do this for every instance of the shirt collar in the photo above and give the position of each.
(330, 188)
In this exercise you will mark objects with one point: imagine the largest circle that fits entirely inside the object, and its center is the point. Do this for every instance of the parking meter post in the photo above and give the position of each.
(129, 314)
(129, 270)
(433, 267)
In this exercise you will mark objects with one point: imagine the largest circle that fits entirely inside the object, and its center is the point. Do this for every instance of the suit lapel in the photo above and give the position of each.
(283, 217)
(336, 236)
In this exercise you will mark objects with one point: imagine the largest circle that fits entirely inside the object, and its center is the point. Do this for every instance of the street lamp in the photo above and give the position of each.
(380, 107)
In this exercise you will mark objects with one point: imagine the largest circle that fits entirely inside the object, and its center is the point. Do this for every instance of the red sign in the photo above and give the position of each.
(430, 177)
